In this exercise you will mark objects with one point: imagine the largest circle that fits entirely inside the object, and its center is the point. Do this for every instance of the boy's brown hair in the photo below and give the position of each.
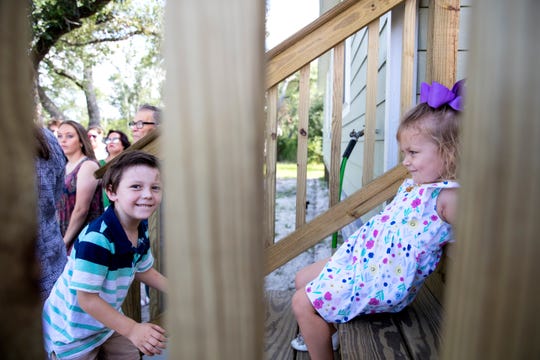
(118, 165)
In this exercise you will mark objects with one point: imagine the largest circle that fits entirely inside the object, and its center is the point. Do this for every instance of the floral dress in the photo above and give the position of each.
(67, 202)
(381, 267)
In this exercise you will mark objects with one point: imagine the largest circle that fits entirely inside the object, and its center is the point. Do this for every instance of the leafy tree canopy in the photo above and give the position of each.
(72, 40)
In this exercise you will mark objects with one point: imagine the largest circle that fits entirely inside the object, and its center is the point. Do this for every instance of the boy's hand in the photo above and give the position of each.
(149, 338)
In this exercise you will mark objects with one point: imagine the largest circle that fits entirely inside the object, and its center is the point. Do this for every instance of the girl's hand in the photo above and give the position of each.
(149, 338)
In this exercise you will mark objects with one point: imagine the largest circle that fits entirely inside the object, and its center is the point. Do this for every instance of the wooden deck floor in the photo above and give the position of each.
(412, 334)
(281, 328)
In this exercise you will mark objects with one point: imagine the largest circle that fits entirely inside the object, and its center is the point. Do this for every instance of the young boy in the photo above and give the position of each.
(82, 317)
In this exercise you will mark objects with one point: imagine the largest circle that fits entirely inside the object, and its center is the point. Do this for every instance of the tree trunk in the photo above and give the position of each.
(90, 94)
(49, 105)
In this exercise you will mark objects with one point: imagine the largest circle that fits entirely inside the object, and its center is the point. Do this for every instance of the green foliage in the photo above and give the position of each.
(288, 120)
(122, 39)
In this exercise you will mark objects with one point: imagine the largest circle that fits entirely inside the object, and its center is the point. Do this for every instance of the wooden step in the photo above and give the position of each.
(414, 333)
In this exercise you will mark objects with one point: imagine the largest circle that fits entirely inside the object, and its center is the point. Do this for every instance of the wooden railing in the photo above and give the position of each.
(296, 54)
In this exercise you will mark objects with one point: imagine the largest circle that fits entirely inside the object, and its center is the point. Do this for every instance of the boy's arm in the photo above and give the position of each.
(153, 278)
(148, 338)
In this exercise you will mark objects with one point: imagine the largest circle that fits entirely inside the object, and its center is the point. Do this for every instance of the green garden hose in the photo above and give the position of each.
(354, 139)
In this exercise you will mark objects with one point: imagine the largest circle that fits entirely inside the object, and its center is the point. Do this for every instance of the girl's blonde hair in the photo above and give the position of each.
(442, 125)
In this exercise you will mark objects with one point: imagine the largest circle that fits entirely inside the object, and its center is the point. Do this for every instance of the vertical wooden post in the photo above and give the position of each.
(407, 63)
(20, 308)
(371, 102)
(337, 120)
(302, 148)
(213, 178)
(157, 298)
(443, 31)
(270, 159)
(493, 293)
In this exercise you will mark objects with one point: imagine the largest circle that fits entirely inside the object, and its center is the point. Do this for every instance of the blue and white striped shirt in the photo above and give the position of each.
(102, 261)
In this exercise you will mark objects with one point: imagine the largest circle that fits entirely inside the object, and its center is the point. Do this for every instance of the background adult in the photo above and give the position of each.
(81, 199)
(95, 135)
(146, 119)
(116, 142)
(52, 125)
(50, 169)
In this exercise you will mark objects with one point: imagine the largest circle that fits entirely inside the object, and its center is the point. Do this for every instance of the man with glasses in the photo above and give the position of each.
(146, 120)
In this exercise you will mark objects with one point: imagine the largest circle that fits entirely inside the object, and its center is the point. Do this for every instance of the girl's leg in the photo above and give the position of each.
(316, 331)
(308, 273)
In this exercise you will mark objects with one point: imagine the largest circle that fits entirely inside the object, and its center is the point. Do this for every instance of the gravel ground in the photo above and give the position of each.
(317, 197)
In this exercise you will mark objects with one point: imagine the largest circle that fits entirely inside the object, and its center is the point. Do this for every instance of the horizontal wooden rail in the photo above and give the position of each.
(321, 35)
(345, 212)
(149, 143)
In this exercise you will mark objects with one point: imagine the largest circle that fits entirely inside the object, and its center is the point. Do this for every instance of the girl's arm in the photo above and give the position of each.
(86, 186)
(153, 278)
(447, 205)
(148, 338)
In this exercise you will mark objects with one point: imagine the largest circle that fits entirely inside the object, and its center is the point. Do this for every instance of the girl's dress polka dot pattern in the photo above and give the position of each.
(381, 267)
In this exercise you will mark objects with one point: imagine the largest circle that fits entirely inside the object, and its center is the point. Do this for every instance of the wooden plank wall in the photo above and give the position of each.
(213, 132)
(493, 297)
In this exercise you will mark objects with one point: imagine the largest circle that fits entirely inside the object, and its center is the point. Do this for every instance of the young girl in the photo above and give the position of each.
(82, 317)
(381, 267)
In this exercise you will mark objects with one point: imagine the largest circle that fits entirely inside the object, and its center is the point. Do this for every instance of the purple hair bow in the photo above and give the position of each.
(438, 95)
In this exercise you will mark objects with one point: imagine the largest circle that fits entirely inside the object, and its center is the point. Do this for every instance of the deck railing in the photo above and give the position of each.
(296, 54)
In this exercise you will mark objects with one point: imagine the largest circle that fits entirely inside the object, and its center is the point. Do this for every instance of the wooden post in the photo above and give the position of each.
(408, 49)
(337, 117)
(270, 159)
(302, 146)
(371, 102)
(213, 169)
(493, 292)
(443, 30)
(20, 307)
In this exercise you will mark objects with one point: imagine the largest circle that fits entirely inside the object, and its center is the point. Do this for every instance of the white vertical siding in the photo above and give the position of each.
(354, 117)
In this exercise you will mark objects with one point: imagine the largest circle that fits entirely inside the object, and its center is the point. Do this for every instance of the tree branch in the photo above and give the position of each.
(62, 23)
(110, 39)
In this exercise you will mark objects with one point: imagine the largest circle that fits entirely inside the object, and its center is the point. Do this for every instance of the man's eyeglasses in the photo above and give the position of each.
(140, 124)
(111, 141)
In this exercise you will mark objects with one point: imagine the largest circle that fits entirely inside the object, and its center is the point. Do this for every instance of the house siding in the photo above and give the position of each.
(355, 106)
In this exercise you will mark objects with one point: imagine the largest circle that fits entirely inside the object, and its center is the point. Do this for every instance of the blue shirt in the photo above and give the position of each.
(103, 261)
(50, 247)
